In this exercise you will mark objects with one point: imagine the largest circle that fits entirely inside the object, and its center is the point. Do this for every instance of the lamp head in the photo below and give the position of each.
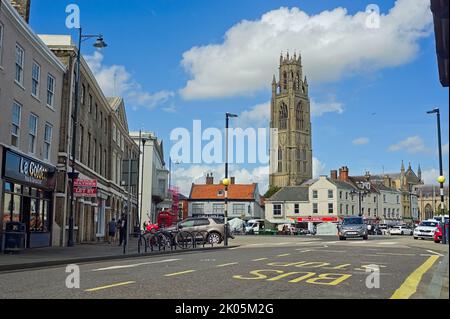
(100, 43)
(436, 110)
(231, 115)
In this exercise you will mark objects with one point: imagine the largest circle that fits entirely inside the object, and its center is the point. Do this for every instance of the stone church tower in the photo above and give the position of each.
(290, 121)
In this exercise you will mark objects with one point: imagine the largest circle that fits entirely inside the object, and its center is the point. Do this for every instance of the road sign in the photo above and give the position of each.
(84, 188)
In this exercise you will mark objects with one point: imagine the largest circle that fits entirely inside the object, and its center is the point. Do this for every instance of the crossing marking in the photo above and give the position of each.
(436, 253)
(409, 287)
(387, 243)
(135, 265)
(224, 265)
(180, 273)
(111, 286)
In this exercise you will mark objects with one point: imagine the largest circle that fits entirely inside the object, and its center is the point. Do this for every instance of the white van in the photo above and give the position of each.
(254, 226)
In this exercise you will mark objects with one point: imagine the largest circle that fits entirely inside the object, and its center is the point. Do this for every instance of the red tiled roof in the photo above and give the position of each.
(211, 192)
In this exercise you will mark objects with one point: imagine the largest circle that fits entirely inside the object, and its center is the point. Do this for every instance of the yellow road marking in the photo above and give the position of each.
(111, 286)
(409, 287)
(283, 255)
(180, 273)
(229, 264)
(260, 259)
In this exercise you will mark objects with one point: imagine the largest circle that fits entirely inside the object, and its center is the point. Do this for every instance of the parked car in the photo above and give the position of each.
(383, 228)
(401, 230)
(215, 227)
(426, 229)
(353, 227)
(254, 226)
(438, 234)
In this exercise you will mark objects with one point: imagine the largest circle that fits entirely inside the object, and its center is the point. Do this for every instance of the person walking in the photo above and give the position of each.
(122, 226)
(112, 227)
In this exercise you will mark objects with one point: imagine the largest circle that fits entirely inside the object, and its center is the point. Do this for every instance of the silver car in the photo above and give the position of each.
(214, 227)
(353, 227)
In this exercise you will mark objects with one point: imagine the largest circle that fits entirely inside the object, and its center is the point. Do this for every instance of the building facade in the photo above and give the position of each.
(102, 145)
(31, 82)
(208, 200)
(153, 195)
(290, 123)
(430, 201)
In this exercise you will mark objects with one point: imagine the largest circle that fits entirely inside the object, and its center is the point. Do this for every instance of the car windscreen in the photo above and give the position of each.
(429, 224)
(352, 221)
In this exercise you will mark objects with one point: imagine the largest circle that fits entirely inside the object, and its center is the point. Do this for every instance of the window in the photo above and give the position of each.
(341, 209)
(238, 209)
(340, 194)
(384, 198)
(218, 208)
(346, 195)
(296, 208)
(80, 144)
(197, 208)
(346, 209)
(101, 119)
(353, 209)
(89, 159)
(330, 193)
(300, 117)
(398, 199)
(36, 78)
(368, 211)
(1, 42)
(47, 141)
(362, 210)
(315, 208)
(280, 160)
(83, 94)
(330, 208)
(20, 59)
(315, 195)
(277, 210)
(15, 129)
(90, 103)
(201, 222)
(100, 162)
(114, 131)
(384, 212)
(50, 90)
(374, 199)
(94, 162)
(32, 132)
(283, 116)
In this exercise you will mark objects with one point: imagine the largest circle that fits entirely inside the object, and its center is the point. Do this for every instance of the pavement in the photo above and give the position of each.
(266, 267)
(79, 253)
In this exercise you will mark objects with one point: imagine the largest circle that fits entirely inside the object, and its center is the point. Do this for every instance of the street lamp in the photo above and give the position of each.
(441, 178)
(99, 44)
(226, 181)
(142, 140)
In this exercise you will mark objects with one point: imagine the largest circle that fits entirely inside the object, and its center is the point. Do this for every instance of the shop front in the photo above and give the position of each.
(27, 197)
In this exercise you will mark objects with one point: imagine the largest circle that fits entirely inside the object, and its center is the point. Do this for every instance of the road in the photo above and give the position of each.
(259, 267)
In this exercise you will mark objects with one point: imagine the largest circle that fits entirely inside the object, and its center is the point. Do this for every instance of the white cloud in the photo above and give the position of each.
(115, 80)
(333, 44)
(412, 145)
(257, 116)
(318, 167)
(430, 176)
(361, 141)
(445, 149)
(319, 109)
(185, 176)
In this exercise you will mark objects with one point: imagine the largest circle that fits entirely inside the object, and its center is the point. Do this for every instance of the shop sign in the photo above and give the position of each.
(24, 169)
(84, 188)
(317, 219)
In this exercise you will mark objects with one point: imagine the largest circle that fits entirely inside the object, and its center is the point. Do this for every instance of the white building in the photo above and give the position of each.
(153, 174)
(244, 200)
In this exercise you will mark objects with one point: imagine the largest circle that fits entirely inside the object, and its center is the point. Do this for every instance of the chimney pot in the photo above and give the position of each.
(334, 175)
(233, 180)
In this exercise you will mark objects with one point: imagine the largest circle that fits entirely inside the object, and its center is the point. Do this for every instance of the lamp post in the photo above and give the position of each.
(73, 175)
(360, 194)
(226, 181)
(441, 178)
(142, 140)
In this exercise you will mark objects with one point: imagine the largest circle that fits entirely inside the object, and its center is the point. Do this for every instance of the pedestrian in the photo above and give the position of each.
(112, 227)
(122, 226)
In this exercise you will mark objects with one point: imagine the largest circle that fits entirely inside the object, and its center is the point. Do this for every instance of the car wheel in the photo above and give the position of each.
(214, 238)
(365, 237)
(342, 238)
(402, 233)
(416, 238)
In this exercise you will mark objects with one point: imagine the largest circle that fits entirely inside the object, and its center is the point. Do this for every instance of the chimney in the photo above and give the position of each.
(23, 8)
(209, 179)
(333, 174)
(233, 180)
(387, 181)
(343, 174)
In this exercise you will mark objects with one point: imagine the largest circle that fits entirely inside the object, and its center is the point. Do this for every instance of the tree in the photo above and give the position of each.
(271, 191)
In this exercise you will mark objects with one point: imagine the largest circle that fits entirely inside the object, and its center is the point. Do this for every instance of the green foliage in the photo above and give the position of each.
(271, 191)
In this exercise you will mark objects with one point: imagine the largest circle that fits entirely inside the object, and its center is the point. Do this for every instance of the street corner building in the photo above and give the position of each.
(31, 85)
(37, 88)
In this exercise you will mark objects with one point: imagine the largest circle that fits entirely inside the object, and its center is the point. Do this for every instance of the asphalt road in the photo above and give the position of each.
(260, 267)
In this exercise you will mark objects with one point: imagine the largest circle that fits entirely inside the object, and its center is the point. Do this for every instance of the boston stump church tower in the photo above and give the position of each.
(290, 121)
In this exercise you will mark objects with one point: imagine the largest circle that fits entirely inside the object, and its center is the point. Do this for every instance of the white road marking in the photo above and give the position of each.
(280, 244)
(388, 243)
(136, 265)
(304, 250)
(436, 253)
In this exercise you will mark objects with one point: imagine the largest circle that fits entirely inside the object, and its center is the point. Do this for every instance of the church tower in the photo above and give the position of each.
(290, 121)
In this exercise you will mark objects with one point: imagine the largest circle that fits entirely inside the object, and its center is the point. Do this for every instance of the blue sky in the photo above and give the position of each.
(375, 87)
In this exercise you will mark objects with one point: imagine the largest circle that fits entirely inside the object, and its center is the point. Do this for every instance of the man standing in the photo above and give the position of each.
(122, 225)
(112, 226)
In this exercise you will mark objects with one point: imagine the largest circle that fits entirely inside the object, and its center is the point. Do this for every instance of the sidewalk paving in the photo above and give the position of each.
(89, 252)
